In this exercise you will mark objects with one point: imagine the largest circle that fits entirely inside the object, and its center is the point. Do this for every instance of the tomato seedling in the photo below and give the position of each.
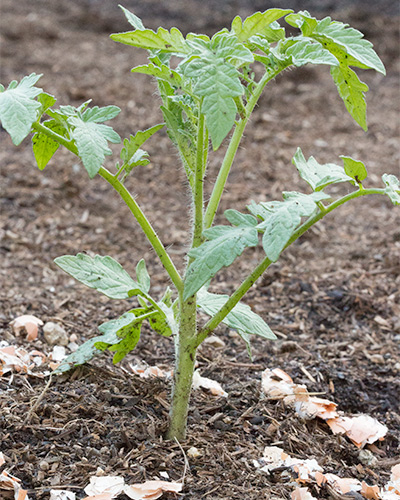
(208, 91)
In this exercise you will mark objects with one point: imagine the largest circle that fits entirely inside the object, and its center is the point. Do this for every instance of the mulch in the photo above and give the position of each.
(333, 299)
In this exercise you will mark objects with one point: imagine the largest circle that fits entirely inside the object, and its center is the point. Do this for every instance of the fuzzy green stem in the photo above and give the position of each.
(198, 186)
(129, 201)
(210, 326)
(185, 359)
(56, 137)
(230, 154)
(145, 225)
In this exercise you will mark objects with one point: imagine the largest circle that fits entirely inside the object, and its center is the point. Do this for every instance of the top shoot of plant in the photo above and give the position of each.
(208, 91)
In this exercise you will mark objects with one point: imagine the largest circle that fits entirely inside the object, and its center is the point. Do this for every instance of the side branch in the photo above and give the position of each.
(145, 225)
(212, 323)
(130, 202)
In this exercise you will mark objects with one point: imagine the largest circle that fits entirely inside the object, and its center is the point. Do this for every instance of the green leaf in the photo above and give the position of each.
(342, 40)
(101, 273)
(44, 146)
(18, 109)
(91, 139)
(135, 21)
(316, 175)
(142, 276)
(134, 142)
(238, 219)
(241, 318)
(46, 101)
(392, 188)
(351, 89)
(163, 40)
(162, 72)
(226, 243)
(113, 333)
(99, 115)
(354, 168)
(257, 23)
(282, 218)
(164, 322)
(127, 334)
(216, 80)
(351, 40)
(305, 51)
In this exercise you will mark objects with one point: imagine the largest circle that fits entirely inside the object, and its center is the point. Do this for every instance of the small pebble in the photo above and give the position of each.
(55, 334)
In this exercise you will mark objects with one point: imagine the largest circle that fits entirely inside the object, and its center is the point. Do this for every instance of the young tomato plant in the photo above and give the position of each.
(207, 88)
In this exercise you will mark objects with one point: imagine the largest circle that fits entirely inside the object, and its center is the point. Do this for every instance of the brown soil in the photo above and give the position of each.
(333, 298)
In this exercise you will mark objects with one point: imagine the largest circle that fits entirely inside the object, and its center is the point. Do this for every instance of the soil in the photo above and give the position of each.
(333, 299)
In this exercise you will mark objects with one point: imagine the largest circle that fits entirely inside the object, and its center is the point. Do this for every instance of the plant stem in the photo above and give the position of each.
(146, 227)
(198, 186)
(131, 204)
(56, 137)
(230, 154)
(185, 358)
(210, 326)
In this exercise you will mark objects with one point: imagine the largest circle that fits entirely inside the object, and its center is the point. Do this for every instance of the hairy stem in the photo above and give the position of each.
(185, 359)
(131, 204)
(230, 154)
(198, 186)
(146, 227)
(210, 326)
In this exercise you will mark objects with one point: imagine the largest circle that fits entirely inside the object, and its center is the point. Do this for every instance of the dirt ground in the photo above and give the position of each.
(333, 299)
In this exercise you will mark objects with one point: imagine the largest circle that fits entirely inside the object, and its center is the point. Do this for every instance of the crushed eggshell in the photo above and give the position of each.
(206, 383)
(62, 495)
(151, 490)
(28, 323)
(342, 485)
(193, 452)
(19, 360)
(361, 430)
(9, 483)
(108, 485)
(301, 494)
(150, 371)
(370, 492)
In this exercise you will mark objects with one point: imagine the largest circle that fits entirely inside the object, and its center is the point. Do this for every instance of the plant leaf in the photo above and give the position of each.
(392, 188)
(18, 109)
(99, 115)
(354, 168)
(142, 276)
(46, 101)
(91, 139)
(306, 51)
(127, 334)
(351, 89)
(282, 218)
(135, 21)
(44, 146)
(226, 243)
(316, 175)
(334, 34)
(238, 219)
(217, 81)
(162, 72)
(113, 332)
(163, 40)
(101, 273)
(241, 318)
(257, 23)
(134, 142)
